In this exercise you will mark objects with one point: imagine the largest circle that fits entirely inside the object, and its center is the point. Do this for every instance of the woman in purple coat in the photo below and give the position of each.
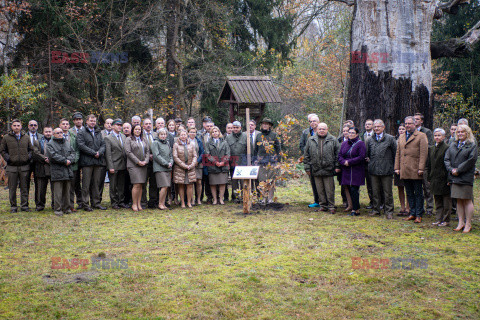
(352, 161)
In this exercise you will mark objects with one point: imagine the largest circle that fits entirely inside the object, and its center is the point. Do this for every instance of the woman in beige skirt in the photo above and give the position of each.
(185, 158)
(217, 152)
(460, 160)
(138, 155)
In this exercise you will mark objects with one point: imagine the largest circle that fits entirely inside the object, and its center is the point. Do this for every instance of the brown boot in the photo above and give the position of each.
(418, 220)
(409, 218)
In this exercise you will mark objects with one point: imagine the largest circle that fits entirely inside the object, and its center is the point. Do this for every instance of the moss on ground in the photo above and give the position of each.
(211, 262)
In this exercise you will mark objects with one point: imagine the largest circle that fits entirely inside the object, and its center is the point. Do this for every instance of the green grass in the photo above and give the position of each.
(213, 263)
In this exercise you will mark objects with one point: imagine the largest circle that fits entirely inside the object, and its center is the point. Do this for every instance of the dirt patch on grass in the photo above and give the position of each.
(83, 277)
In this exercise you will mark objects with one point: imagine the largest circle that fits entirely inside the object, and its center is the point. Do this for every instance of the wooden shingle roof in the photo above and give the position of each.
(249, 90)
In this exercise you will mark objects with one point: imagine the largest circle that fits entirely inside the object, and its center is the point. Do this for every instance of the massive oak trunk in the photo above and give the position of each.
(390, 67)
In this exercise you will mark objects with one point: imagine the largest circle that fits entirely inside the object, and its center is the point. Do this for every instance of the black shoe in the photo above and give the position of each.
(39, 209)
(369, 207)
(100, 207)
(116, 207)
(25, 209)
(13, 210)
(87, 209)
(124, 206)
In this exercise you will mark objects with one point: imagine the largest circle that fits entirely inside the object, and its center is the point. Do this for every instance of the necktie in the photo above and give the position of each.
(120, 139)
(408, 135)
(139, 142)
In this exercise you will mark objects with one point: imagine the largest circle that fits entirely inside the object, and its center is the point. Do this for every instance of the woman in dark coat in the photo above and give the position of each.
(352, 161)
(437, 175)
(460, 160)
(347, 200)
(192, 136)
(404, 206)
(138, 155)
(217, 152)
(162, 165)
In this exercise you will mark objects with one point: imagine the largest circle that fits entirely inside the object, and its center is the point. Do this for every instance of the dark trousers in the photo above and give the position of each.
(35, 183)
(76, 189)
(225, 197)
(414, 196)
(117, 187)
(42, 192)
(102, 181)
(355, 194)
(316, 199)
(127, 190)
(152, 189)
(428, 196)
(62, 192)
(91, 177)
(15, 177)
(443, 204)
(326, 191)
(382, 193)
(368, 181)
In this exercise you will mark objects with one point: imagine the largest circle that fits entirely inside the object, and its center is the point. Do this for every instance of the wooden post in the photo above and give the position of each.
(247, 183)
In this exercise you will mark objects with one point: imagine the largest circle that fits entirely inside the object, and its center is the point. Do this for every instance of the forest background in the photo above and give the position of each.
(117, 59)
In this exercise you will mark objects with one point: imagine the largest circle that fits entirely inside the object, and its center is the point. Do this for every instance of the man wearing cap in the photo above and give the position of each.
(237, 141)
(17, 151)
(107, 130)
(76, 187)
(61, 157)
(115, 157)
(265, 156)
(178, 122)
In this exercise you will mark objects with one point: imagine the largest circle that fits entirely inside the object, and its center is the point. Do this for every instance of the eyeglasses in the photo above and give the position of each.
(33, 125)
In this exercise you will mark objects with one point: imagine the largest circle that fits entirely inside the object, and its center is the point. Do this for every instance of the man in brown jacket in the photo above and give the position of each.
(410, 160)
(17, 150)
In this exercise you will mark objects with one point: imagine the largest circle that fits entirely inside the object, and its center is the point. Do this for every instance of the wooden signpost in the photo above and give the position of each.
(247, 96)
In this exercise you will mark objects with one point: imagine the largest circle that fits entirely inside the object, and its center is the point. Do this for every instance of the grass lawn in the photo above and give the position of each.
(213, 263)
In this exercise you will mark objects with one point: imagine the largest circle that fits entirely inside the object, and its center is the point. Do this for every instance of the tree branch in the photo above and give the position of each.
(456, 47)
(450, 7)
(347, 2)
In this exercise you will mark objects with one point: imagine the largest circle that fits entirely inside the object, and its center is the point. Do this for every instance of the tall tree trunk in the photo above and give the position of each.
(390, 61)
(171, 58)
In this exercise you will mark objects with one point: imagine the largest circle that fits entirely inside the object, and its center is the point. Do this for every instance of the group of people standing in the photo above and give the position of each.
(172, 161)
(426, 165)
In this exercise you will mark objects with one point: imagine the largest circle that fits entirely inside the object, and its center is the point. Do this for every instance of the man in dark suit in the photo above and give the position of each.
(33, 136)
(426, 184)
(92, 160)
(116, 164)
(152, 202)
(16, 149)
(42, 168)
(76, 187)
(367, 134)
